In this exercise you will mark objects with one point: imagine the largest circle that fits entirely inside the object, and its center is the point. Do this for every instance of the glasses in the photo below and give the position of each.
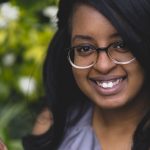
(85, 56)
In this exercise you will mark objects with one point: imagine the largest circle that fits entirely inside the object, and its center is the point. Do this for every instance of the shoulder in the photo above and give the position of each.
(2, 145)
(80, 134)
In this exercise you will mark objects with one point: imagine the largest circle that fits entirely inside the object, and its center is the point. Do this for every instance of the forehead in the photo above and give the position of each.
(86, 20)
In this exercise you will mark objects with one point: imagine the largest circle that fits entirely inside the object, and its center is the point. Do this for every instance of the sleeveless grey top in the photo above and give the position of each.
(81, 136)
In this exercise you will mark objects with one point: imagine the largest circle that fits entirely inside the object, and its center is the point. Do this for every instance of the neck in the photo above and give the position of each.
(118, 123)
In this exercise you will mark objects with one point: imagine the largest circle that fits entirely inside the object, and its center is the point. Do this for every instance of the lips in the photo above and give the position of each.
(108, 85)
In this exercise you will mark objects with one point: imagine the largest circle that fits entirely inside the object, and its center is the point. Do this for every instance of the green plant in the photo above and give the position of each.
(25, 32)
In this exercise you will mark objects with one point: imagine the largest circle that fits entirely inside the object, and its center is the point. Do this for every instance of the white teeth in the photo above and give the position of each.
(108, 84)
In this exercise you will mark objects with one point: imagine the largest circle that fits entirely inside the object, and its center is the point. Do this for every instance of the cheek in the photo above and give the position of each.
(136, 77)
(81, 77)
(80, 74)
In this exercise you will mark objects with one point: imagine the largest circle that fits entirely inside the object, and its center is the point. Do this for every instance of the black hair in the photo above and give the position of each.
(132, 20)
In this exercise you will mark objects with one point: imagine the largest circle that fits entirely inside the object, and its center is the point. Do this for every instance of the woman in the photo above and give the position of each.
(96, 77)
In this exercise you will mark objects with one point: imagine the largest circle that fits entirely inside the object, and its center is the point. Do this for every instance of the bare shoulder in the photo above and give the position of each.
(43, 122)
(2, 146)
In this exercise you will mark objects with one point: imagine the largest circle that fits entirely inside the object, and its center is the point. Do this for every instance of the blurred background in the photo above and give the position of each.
(26, 28)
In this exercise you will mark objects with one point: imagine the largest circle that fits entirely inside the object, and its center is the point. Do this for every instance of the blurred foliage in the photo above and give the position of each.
(26, 28)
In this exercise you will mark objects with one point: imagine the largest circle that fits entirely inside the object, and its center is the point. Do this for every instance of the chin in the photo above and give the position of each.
(112, 104)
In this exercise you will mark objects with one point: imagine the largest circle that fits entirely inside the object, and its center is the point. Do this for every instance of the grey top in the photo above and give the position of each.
(81, 136)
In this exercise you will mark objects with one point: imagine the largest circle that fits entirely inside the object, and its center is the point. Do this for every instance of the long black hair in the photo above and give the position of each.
(132, 20)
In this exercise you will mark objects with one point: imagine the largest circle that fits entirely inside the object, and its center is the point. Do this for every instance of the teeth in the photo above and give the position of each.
(108, 84)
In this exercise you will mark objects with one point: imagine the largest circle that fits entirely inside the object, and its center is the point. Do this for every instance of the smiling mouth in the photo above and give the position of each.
(108, 84)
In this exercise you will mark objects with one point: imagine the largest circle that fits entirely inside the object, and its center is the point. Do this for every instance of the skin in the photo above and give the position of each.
(2, 146)
(117, 111)
(91, 27)
(43, 122)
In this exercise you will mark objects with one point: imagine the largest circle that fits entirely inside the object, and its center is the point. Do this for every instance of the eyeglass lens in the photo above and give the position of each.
(85, 55)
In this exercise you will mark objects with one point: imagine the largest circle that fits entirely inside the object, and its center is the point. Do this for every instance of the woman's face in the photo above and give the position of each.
(90, 27)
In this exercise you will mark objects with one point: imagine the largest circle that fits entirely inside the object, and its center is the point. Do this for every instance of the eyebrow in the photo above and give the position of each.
(82, 37)
(115, 34)
(89, 38)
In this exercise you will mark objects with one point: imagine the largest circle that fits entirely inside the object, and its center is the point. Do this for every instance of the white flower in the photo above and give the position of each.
(27, 85)
(3, 22)
(8, 13)
(9, 59)
(51, 12)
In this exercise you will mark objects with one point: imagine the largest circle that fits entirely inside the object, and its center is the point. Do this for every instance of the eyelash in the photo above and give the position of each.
(116, 43)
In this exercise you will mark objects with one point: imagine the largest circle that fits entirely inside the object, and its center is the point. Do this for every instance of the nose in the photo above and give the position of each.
(104, 64)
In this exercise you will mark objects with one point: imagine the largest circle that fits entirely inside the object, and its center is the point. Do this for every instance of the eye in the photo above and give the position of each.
(120, 46)
(84, 50)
